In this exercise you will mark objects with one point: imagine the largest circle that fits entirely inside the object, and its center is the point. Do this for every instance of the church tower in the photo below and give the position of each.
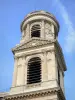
(38, 60)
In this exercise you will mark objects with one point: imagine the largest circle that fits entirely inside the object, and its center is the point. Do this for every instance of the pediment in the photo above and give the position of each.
(31, 44)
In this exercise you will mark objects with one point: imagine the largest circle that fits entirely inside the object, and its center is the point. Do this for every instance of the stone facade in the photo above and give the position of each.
(47, 48)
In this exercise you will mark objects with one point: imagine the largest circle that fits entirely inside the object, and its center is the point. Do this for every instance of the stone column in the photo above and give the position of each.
(44, 68)
(56, 68)
(23, 66)
(28, 31)
(25, 73)
(52, 29)
(42, 30)
(15, 72)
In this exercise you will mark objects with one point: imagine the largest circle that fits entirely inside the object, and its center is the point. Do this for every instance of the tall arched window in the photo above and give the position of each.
(35, 31)
(34, 70)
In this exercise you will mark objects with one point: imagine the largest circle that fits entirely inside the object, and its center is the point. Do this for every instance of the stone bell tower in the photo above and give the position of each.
(39, 64)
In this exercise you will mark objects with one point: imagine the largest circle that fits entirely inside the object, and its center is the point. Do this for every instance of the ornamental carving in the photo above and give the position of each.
(24, 96)
(32, 43)
(19, 61)
(48, 31)
(48, 56)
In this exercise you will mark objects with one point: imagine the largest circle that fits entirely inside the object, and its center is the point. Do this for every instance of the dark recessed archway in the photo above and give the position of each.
(35, 31)
(34, 70)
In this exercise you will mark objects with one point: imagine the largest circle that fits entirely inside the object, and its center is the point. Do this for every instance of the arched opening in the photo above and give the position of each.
(34, 70)
(35, 31)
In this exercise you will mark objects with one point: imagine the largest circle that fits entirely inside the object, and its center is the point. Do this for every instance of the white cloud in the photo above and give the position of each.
(69, 45)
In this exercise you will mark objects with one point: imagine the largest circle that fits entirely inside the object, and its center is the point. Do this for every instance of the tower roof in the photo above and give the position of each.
(40, 15)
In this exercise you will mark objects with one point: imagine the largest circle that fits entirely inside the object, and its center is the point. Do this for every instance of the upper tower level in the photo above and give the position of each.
(39, 24)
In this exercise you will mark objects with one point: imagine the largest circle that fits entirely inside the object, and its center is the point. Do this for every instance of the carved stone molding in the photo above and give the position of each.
(43, 93)
(29, 44)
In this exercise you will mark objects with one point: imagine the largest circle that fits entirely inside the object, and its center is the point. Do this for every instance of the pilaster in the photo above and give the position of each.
(15, 72)
(42, 30)
(44, 67)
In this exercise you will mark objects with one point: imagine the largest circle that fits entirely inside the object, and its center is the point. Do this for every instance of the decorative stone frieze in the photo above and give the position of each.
(30, 43)
(39, 94)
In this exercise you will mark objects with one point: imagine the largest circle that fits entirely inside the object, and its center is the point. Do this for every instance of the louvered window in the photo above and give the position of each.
(34, 70)
(35, 31)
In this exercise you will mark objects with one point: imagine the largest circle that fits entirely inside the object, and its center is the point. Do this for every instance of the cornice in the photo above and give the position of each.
(37, 43)
(36, 94)
(32, 94)
(33, 53)
(2, 94)
(61, 94)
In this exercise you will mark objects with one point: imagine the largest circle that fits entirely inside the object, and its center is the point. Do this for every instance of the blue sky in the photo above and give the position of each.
(12, 13)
